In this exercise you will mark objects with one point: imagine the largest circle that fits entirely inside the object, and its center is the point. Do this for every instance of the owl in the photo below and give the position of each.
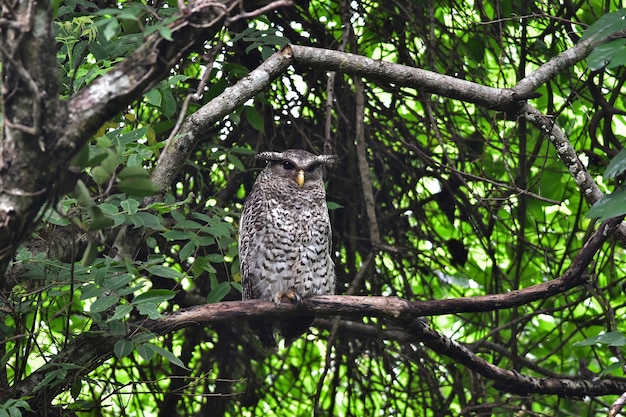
(285, 238)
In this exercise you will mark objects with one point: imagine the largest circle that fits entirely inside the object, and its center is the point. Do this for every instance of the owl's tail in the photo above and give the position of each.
(292, 329)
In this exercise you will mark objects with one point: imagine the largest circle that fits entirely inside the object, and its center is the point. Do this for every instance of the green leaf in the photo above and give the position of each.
(140, 187)
(90, 253)
(110, 163)
(99, 221)
(176, 235)
(82, 194)
(164, 271)
(166, 32)
(219, 230)
(47, 380)
(122, 348)
(189, 224)
(108, 209)
(215, 257)
(103, 303)
(236, 162)
(610, 205)
(149, 220)
(607, 24)
(132, 136)
(130, 205)
(611, 368)
(54, 217)
(166, 354)
(333, 205)
(170, 105)
(216, 89)
(616, 166)
(154, 296)
(81, 159)
(121, 311)
(154, 97)
(90, 291)
(187, 250)
(609, 55)
(130, 172)
(111, 29)
(202, 264)
(150, 310)
(610, 339)
(117, 328)
(144, 352)
(254, 118)
(117, 281)
(218, 293)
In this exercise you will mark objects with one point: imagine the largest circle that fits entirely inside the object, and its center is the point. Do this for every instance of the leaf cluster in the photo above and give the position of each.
(466, 201)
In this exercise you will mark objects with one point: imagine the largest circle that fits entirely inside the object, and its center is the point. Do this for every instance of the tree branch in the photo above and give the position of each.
(89, 350)
(504, 99)
(490, 97)
(512, 381)
(567, 154)
(62, 129)
(194, 129)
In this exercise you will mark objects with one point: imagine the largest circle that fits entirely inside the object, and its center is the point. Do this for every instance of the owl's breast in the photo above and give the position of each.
(293, 251)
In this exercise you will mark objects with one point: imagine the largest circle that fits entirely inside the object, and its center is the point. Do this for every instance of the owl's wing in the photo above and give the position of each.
(251, 225)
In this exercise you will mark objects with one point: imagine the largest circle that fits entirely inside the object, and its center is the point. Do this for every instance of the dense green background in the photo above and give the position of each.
(468, 201)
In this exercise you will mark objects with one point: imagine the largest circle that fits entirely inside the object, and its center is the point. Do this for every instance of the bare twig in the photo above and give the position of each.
(617, 406)
(261, 10)
(193, 96)
(330, 82)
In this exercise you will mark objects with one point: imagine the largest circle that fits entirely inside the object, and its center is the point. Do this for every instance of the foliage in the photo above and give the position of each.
(468, 201)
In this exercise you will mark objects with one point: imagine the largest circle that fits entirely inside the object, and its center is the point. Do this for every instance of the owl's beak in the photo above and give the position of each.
(300, 178)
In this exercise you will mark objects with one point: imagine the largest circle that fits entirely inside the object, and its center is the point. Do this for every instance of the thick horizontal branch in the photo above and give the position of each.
(444, 85)
(89, 350)
(390, 307)
(402, 75)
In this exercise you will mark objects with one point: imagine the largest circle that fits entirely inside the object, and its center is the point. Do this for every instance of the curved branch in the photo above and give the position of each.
(567, 154)
(390, 307)
(147, 65)
(89, 350)
(357, 65)
(512, 381)
(193, 131)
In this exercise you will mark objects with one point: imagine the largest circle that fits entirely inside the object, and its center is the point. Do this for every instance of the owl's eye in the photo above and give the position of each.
(288, 165)
(311, 168)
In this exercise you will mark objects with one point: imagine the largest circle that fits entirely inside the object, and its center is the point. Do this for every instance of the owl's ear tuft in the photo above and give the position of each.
(270, 156)
(328, 160)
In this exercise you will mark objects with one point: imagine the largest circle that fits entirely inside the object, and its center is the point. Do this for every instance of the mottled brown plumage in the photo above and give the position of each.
(285, 238)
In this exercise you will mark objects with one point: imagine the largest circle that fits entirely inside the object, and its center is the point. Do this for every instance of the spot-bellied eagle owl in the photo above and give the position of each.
(285, 238)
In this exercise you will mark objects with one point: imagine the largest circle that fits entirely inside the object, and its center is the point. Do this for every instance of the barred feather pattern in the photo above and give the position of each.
(285, 237)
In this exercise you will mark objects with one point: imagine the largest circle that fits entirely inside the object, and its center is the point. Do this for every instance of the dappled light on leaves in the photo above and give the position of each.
(475, 207)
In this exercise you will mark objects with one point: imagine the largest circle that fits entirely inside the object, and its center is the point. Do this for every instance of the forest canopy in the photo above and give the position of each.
(476, 207)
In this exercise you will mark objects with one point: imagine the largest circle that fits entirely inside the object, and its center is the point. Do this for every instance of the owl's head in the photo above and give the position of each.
(298, 165)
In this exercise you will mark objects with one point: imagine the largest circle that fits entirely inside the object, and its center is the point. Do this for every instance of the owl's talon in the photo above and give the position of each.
(293, 296)
(290, 295)
(278, 298)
